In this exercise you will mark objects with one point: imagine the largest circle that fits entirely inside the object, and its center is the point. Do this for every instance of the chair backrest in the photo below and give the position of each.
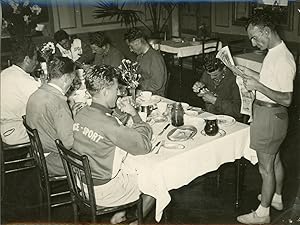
(210, 45)
(16, 163)
(79, 177)
(38, 154)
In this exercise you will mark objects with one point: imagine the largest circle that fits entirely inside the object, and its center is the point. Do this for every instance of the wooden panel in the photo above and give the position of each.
(240, 13)
(188, 18)
(66, 15)
(222, 14)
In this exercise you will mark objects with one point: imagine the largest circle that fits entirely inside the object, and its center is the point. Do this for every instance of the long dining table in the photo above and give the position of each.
(159, 172)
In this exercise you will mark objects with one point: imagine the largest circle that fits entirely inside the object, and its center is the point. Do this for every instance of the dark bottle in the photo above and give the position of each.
(211, 127)
(177, 115)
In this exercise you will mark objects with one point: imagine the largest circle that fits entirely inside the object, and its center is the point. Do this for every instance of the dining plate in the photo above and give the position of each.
(223, 120)
(221, 133)
(173, 146)
(153, 100)
(182, 133)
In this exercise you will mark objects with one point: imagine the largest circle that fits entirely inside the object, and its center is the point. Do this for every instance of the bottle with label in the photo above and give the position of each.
(177, 115)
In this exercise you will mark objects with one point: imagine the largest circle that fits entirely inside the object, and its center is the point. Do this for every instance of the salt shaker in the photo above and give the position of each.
(177, 115)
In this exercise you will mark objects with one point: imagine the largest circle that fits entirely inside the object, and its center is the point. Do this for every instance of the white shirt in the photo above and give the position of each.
(16, 87)
(278, 71)
(75, 51)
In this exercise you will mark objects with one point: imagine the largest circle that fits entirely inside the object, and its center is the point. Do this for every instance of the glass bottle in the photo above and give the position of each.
(177, 115)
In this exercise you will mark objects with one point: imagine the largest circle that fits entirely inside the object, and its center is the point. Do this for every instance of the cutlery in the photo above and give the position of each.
(157, 144)
(158, 148)
(166, 127)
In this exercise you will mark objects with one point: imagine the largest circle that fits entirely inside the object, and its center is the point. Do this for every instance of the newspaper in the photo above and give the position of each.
(247, 97)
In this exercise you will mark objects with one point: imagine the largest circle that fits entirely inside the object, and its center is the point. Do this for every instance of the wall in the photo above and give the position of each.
(222, 21)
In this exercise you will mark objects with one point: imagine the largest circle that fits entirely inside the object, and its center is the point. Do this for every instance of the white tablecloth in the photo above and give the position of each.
(174, 168)
(251, 60)
(184, 49)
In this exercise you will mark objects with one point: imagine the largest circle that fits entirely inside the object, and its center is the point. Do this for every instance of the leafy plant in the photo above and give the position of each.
(130, 17)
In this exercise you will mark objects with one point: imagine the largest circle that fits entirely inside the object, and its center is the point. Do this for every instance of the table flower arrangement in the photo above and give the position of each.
(47, 50)
(20, 17)
(130, 75)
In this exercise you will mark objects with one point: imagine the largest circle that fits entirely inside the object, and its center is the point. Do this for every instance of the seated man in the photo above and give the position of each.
(152, 65)
(218, 89)
(74, 49)
(107, 142)
(16, 87)
(48, 112)
(105, 52)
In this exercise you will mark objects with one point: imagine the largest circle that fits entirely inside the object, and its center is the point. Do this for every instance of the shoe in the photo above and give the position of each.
(253, 218)
(276, 205)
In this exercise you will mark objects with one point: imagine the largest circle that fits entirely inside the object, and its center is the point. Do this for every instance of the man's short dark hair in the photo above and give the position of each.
(22, 48)
(61, 35)
(60, 66)
(263, 18)
(133, 34)
(99, 39)
(99, 77)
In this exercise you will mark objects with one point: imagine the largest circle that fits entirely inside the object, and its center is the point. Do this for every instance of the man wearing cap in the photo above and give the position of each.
(218, 89)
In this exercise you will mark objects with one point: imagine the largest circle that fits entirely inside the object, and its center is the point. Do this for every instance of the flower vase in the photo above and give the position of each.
(132, 92)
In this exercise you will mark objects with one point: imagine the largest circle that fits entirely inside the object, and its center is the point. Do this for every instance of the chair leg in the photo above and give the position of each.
(75, 210)
(140, 210)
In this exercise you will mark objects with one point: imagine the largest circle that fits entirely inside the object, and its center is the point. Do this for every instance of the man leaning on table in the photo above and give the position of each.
(274, 88)
(152, 65)
(218, 89)
(48, 111)
(107, 142)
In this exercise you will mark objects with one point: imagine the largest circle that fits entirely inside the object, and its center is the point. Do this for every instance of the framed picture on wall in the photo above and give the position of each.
(240, 13)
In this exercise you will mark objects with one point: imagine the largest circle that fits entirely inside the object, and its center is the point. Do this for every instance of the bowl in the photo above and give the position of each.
(185, 106)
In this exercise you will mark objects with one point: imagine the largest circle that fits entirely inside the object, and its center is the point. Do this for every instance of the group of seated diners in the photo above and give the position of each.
(98, 129)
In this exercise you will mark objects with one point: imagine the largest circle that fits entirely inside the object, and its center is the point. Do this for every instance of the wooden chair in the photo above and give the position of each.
(17, 164)
(80, 181)
(54, 198)
(209, 50)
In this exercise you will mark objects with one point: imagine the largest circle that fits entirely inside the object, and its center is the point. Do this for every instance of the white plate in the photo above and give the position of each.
(221, 133)
(153, 100)
(223, 120)
(182, 133)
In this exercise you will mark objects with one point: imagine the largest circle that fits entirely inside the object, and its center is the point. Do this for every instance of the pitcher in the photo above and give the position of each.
(211, 127)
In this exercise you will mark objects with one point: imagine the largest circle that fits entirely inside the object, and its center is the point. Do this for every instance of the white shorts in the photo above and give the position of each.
(120, 190)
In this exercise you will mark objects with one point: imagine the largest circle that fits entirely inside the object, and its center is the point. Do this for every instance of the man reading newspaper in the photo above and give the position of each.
(247, 97)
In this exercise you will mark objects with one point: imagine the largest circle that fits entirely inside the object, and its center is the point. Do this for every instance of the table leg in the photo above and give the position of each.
(180, 78)
(194, 65)
(237, 183)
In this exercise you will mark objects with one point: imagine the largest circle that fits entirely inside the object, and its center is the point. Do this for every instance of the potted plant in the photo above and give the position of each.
(130, 17)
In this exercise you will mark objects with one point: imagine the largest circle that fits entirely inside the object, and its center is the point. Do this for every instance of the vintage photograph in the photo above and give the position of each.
(150, 112)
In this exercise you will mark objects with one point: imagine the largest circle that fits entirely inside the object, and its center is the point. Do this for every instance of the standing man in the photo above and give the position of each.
(152, 65)
(274, 88)
(16, 87)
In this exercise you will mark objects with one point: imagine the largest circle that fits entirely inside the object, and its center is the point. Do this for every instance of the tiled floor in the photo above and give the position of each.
(200, 202)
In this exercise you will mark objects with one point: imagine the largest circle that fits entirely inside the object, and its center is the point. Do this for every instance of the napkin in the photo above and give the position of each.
(181, 135)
